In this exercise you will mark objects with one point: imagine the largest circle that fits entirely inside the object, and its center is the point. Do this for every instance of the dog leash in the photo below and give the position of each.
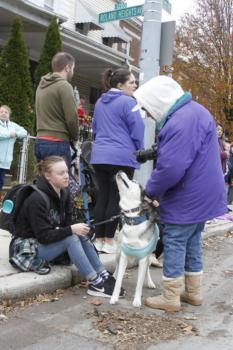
(113, 218)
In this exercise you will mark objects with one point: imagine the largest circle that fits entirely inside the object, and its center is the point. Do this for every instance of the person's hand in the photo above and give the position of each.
(151, 201)
(155, 203)
(13, 134)
(80, 229)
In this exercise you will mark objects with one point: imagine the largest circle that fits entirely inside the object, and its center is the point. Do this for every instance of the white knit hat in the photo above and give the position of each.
(158, 95)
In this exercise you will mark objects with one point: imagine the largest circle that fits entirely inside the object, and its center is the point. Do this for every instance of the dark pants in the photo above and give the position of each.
(2, 175)
(159, 246)
(107, 204)
(46, 148)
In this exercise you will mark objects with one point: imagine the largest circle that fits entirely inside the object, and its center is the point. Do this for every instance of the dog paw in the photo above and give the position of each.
(151, 285)
(113, 301)
(137, 303)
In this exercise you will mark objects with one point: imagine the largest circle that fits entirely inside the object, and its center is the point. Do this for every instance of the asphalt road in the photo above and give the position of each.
(70, 320)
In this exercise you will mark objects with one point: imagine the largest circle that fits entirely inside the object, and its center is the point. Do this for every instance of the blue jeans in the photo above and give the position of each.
(45, 148)
(182, 249)
(81, 252)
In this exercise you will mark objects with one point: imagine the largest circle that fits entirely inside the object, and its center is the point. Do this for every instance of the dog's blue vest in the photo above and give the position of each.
(141, 253)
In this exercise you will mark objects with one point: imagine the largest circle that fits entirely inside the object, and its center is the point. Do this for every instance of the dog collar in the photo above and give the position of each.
(136, 220)
(132, 210)
(141, 253)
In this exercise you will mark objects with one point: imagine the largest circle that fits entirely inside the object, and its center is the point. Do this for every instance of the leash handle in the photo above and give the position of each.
(113, 218)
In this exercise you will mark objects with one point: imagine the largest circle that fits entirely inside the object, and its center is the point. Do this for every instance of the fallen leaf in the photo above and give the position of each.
(96, 302)
(112, 329)
(54, 299)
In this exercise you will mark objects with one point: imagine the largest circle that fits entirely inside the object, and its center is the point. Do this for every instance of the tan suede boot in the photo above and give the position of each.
(170, 299)
(192, 293)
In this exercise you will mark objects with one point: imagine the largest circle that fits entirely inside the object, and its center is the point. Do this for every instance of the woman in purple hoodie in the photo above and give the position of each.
(187, 181)
(118, 132)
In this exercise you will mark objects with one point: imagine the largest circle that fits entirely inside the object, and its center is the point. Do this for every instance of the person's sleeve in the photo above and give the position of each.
(135, 123)
(41, 227)
(176, 153)
(70, 111)
(20, 131)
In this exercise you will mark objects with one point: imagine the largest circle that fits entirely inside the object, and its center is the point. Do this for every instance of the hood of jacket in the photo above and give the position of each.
(111, 95)
(49, 79)
(158, 95)
(45, 186)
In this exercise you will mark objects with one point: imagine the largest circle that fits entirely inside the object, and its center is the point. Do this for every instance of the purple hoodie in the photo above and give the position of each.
(188, 178)
(118, 129)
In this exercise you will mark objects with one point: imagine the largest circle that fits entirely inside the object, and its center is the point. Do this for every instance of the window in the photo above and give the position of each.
(82, 28)
(108, 41)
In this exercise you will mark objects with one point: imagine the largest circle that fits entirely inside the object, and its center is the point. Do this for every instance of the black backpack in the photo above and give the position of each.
(18, 194)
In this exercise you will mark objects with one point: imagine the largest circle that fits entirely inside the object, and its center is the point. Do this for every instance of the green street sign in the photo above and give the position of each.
(120, 6)
(118, 15)
(123, 12)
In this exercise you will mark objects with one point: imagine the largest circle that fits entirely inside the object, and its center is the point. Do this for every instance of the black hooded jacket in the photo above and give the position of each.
(35, 221)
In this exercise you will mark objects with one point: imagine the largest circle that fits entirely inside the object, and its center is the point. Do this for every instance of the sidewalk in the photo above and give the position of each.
(16, 284)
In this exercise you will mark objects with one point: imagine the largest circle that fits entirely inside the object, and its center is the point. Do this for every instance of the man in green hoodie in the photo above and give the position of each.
(56, 116)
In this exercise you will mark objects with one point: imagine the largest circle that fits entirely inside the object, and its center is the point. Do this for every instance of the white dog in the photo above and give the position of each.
(137, 238)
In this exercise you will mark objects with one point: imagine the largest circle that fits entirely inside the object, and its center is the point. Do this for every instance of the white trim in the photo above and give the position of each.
(188, 273)
(171, 278)
(131, 33)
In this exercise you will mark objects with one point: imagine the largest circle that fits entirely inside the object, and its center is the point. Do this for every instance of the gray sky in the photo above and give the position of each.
(179, 7)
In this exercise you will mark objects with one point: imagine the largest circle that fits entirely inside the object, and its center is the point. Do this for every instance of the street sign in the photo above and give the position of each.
(120, 6)
(123, 12)
(118, 15)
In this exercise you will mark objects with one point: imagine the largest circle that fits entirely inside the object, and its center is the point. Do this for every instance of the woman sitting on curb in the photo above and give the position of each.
(51, 232)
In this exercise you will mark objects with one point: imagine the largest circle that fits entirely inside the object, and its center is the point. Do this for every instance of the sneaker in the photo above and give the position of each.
(109, 248)
(98, 245)
(104, 289)
(155, 262)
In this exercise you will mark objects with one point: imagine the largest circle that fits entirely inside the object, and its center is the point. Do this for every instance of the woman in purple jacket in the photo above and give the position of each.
(187, 181)
(118, 132)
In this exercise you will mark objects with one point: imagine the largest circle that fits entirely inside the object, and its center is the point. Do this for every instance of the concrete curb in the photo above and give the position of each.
(18, 285)
(219, 228)
(22, 284)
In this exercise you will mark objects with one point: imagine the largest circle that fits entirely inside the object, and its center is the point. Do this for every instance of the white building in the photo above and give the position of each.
(95, 46)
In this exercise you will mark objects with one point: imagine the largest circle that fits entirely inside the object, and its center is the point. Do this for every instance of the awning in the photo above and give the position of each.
(85, 14)
(111, 30)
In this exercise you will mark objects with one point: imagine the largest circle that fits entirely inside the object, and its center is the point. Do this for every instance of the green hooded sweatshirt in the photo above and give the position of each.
(56, 114)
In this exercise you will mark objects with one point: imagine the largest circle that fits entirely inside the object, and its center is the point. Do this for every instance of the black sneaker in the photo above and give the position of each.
(104, 289)
(97, 290)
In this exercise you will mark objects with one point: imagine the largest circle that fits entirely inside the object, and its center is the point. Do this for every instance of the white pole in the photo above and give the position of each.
(149, 68)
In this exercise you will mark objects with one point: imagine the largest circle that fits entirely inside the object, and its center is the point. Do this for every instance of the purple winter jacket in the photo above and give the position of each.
(118, 129)
(188, 178)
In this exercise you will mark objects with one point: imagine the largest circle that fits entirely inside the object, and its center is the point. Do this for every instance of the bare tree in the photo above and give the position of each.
(204, 57)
